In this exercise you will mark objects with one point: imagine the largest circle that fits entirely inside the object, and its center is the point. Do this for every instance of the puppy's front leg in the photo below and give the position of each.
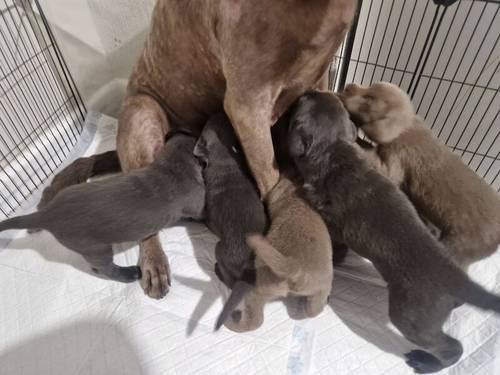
(252, 120)
(390, 168)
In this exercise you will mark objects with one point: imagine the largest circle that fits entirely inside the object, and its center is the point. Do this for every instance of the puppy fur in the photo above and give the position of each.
(294, 259)
(443, 189)
(89, 218)
(79, 172)
(233, 204)
(374, 218)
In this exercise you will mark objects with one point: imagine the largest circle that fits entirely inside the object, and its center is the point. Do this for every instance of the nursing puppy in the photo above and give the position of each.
(443, 189)
(374, 218)
(89, 218)
(233, 206)
(294, 259)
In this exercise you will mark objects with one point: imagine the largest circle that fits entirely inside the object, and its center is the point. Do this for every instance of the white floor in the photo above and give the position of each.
(56, 318)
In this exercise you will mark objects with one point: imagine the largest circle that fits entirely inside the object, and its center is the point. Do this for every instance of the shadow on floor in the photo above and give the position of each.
(86, 347)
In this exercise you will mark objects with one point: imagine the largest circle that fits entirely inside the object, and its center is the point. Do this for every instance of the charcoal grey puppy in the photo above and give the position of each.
(233, 206)
(375, 219)
(89, 218)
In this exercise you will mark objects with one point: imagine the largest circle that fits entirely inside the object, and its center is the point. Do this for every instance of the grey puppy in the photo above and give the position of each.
(233, 206)
(89, 218)
(375, 219)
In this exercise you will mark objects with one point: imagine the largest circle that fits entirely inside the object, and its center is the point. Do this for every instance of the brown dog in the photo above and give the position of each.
(251, 57)
(294, 259)
(443, 189)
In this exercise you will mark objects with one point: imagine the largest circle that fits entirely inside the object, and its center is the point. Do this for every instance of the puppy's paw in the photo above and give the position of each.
(423, 362)
(156, 276)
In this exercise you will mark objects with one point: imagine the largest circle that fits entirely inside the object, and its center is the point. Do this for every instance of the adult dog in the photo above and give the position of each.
(252, 58)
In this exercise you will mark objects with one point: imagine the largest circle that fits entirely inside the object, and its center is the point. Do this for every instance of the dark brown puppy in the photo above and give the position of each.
(375, 219)
(89, 218)
(456, 200)
(205, 56)
(233, 206)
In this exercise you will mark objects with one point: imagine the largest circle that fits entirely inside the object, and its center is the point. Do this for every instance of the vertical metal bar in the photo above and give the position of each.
(429, 33)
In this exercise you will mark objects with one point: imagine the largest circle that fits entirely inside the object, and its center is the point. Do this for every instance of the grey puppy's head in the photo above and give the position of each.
(217, 140)
(318, 120)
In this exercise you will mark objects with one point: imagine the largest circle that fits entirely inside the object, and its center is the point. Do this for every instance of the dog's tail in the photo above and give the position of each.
(30, 221)
(239, 291)
(280, 264)
(80, 171)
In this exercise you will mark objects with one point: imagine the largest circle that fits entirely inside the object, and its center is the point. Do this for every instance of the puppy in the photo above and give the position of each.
(374, 218)
(294, 259)
(442, 188)
(89, 218)
(233, 204)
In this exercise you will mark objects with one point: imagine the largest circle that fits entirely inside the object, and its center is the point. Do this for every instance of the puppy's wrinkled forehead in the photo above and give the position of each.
(320, 107)
(217, 132)
(322, 113)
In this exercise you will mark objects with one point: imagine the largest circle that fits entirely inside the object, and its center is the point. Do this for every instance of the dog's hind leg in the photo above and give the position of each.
(142, 128)
(102, 264)
(251, 115)
(80, 171)
(421, 324)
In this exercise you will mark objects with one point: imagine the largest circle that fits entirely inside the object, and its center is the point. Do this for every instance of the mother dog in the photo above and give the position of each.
(252, 58)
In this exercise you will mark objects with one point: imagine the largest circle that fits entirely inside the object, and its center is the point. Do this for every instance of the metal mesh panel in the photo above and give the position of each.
(41, 113)
(447, 58)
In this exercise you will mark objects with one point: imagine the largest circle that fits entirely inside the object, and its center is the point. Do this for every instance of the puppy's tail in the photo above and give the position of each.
(474, 294)
(31, 221)
(280, 264)
(240, 290)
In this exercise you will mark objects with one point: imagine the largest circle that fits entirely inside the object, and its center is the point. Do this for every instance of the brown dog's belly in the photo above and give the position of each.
(182, 63)
(179, 67)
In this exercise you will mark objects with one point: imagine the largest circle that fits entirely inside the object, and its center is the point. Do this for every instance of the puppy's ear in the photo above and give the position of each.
(201, 151)
(282, 266)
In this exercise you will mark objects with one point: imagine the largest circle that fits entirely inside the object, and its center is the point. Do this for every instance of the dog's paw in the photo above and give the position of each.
(156, 277)
(423, 362)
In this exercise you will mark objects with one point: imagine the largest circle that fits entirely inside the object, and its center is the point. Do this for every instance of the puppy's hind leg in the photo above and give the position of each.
(102, 264)
(421, 324)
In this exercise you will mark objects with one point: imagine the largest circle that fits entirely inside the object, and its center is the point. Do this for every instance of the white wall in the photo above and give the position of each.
(100, 40)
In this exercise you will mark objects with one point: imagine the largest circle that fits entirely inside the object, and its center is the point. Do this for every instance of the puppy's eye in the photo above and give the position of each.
(235, 150)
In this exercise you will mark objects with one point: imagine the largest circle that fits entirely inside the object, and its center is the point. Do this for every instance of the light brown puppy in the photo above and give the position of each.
(294, 259)
(442, 188)
(252, 58)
